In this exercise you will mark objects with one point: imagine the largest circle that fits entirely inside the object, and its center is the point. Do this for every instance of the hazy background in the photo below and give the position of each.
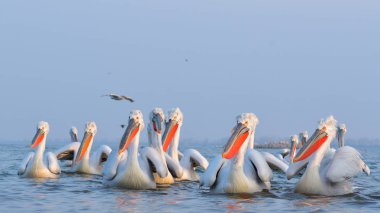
(290, 62)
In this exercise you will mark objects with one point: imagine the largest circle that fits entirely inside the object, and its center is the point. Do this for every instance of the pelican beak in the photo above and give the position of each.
(38, 138)
(87, 139)
(303, 141)
(293, 151)
(239, 135)
(340, 137)
(313, 144)
(75, 137)
(157, 123)
(170, 130)
(131, 131)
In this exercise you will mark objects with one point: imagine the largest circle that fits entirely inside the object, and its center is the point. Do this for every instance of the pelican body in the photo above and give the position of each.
(37, 164)
(155, 126)
(127, 168)
(67, 153)
(83, 161)
(190, 159)
(332, 178)
(238, 169)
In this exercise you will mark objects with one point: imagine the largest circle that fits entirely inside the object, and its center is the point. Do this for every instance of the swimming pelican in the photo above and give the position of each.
(238, 169)
(292, 150)
(341, 132)
(74, 134)
(73, 145)
(293, 147)
(68, 152)
(333, 179)
(36, 164)
(85, 163)
(293, 141)
(155, 126)
(303, 136)
(191, 158)
(126, 167)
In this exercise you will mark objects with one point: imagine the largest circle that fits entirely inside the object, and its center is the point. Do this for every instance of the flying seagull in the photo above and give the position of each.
(119, 97)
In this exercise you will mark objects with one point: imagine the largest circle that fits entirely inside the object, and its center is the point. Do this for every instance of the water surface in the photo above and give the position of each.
(72, 192)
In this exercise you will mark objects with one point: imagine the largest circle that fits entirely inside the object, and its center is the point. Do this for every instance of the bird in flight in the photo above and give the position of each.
(119, 97)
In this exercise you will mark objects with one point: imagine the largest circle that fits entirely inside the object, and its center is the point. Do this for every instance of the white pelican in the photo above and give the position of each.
(73, 145)
(341, 132)
(85, 163)
(126, 167)
(74, 134)
(334, 178)
(303, 136)
(36, 164)
(293, 146)
(191, 158)
(238, 170)
(292, 151)
(155, 126)
(68, 152)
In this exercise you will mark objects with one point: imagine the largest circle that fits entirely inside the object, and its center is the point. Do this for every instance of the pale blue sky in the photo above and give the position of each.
(290, 62)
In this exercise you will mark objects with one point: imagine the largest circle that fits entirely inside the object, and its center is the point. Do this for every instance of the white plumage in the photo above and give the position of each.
(38, 164)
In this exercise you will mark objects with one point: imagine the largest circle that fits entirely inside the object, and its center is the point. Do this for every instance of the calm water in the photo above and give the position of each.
(86, 193)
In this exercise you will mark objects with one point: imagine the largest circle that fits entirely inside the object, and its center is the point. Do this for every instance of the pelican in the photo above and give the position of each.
(238, 169)
(74, 134)
(303, 136)
(68, 152)
(292, 151)
(293, 147)
(334, 178)
(36, 164)
(191, 158)
(341, 132)
(155, 126)
(85, 163)
(126, 167)
(73, 145)
(119, 97)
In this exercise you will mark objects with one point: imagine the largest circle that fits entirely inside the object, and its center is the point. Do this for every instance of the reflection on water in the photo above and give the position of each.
(314, 201)
(74, 192)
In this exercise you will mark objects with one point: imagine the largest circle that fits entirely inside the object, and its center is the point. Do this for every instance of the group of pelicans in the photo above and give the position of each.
(321, 170)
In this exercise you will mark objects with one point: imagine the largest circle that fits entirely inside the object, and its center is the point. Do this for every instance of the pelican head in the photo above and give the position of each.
(42, 131)
(341, 133)
(135, 125)
(243, 128)
(303, 136)
(89, 133)
(254, 121)
(175, 120)
(156, 120)
(74, 134)
(325, 130)
(293, 145)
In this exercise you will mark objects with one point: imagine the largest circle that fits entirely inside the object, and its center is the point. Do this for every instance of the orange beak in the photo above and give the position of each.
(131, 131)
(313, 144)
(87, 139)
(170, 130)
(237, 139)
(38, 138)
